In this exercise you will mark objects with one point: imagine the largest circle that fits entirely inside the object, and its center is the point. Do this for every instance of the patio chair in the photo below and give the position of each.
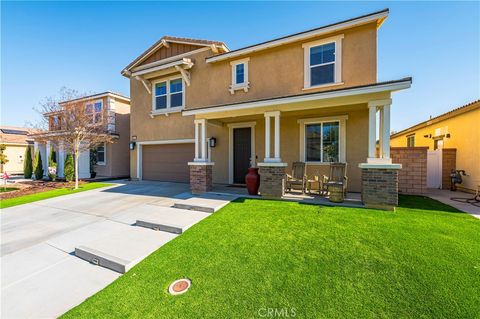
(298, 177)
(338, 174)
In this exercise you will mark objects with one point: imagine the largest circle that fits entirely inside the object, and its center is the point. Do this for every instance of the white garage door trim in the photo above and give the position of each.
(139, 150)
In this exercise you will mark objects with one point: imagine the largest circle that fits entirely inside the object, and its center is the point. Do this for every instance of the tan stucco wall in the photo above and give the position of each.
(15, 155)
(356, 140)
(464, 133)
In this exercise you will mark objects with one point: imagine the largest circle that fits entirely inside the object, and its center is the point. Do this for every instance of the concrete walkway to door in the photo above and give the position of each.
(41, 272)
(445, 196)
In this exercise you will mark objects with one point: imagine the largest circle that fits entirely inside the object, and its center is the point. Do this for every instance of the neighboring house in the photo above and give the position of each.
(458, 129)
(16, 140)
(109, 109)
(311, 96)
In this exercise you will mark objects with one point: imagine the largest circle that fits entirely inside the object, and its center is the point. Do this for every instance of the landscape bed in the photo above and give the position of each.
(326, 262)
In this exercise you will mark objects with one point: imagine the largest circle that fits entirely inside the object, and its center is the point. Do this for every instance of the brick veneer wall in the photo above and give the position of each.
(201, 178)
(272, 181)
(412, 178)
(380, 188)
(449, 162)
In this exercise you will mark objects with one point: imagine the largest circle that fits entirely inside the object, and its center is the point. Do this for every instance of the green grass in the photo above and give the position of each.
(422, 261)
(7, 189)
(5, 203)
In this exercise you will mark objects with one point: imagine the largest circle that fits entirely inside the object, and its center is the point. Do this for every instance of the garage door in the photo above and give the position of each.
(167, 162)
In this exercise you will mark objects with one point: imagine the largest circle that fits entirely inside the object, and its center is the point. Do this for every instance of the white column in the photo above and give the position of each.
(196, 141)
(204, 140)
(267, 137)
(372, 130)
(139, 161)
(380, 130)
(386, 132)
(277, 136)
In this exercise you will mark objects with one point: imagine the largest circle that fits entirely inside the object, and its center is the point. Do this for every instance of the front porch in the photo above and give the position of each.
(317, 132)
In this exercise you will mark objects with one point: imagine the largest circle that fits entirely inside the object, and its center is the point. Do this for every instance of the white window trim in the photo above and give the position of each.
(342, 119)
(168, 109)
(230, 146)
(337, 78)
(93, 110)
(241, 86)
(104, 154)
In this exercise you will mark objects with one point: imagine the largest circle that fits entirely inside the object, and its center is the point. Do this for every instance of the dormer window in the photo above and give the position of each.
(239, 75)
(323, 62)
(95, 110)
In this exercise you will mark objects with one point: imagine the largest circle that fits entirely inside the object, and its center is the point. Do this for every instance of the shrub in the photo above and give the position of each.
(38, 166)
(27, 163)
(3, 157)
(52, 165)
(69, 169)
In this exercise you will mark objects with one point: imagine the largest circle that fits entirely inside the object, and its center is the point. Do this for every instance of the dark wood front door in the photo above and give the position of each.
(242, 148)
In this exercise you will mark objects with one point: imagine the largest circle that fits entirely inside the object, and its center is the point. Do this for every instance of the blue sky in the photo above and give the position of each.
(85, 45)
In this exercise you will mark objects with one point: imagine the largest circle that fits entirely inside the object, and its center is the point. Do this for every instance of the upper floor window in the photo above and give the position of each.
(323, 62)
(168, 94)
(411, 141)
(239, 75)
(95, 110)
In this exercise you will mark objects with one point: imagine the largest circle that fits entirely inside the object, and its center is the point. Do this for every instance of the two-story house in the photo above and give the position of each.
(108, 109)
(204, 114)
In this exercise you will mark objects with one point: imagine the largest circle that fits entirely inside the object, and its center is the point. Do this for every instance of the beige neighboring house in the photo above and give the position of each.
(113, 160)
(203, 114)
(16, 140)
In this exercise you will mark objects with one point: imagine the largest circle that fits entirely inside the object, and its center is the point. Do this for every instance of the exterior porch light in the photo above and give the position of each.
(132, 145)
(212, 142)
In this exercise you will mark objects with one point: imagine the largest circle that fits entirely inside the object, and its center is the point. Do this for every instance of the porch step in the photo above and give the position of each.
(208, 202)
(123, 250)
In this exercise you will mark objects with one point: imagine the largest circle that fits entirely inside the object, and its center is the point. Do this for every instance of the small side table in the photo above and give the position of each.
(311, 183)
(336, 192)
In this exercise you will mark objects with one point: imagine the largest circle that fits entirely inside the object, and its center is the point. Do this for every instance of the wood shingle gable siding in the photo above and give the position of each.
(172, 50)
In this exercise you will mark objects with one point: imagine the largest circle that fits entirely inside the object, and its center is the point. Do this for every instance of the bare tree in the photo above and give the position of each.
(73, 125)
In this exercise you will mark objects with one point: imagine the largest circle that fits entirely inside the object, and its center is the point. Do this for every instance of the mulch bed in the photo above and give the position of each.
(33, 187)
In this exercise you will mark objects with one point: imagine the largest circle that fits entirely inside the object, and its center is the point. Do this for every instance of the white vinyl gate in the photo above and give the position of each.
(434, 169)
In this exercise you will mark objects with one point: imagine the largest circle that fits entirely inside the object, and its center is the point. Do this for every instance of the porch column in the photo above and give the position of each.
(272, 170)
(201, 171)
(276, 144)
(379, 175)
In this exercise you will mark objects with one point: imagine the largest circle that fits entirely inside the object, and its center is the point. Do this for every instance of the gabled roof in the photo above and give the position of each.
(378, 16)
(169, 39)
(445, 116)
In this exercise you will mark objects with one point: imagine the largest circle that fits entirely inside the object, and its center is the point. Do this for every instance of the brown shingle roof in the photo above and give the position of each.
(16, 135)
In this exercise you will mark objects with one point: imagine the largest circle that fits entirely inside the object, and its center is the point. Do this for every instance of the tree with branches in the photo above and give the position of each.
(73, 125)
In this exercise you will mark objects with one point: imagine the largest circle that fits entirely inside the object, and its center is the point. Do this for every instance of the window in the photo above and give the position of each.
(322, 140)
(95, 110)
(100, 153)
(411, 141)
(168, 94)
(323, 65)
(239, 75)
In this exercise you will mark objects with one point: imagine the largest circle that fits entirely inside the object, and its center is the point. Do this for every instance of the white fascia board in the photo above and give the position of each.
(303, 98)
(170, 59)
(299, 37)
(183, 61)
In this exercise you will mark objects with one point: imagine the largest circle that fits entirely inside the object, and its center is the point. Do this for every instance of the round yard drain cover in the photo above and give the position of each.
(179, 286)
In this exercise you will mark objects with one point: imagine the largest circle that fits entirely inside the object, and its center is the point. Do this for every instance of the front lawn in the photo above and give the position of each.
(422, 261)
(4, 203)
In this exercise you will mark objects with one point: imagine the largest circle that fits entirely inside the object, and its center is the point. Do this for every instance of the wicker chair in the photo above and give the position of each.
(298, 177)
(338, 174)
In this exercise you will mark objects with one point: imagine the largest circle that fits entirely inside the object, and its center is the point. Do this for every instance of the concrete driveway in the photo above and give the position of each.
(42, 274)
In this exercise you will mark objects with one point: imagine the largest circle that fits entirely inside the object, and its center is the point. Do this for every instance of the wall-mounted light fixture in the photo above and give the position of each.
(428, 136)
(132, 145)
(212, 142)
(448, 135)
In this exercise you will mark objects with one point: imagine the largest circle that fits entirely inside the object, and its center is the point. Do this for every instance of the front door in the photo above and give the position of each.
(242, 148)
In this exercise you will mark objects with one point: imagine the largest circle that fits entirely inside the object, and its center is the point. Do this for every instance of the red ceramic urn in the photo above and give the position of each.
(252, 180)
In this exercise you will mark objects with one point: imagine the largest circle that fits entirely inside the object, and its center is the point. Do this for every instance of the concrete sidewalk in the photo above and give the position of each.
(444, 196)
(41, 275)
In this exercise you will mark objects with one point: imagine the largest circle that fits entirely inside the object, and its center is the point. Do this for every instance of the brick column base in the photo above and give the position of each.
(380, 186)
(200, 177)
(272, 179)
